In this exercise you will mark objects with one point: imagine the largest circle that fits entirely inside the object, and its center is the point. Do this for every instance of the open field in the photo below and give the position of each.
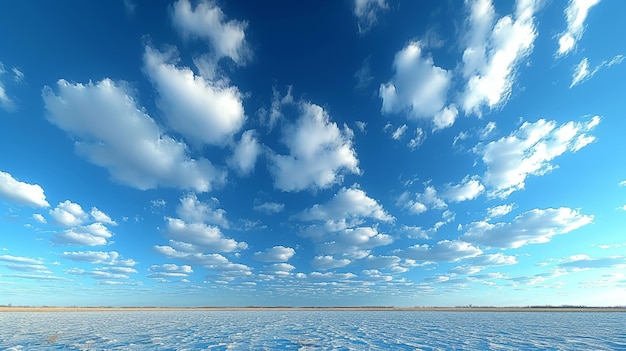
(356, 309)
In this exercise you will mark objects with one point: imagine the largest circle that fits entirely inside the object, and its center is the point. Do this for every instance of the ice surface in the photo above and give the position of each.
(311, 330)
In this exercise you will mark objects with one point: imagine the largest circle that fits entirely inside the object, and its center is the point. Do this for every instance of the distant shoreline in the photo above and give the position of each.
(347, 309)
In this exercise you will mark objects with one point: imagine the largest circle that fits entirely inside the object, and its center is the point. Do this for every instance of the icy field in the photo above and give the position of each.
(314, 330)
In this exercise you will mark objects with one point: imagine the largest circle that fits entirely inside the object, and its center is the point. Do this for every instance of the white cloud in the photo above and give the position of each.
(169, 270)
(111, 258)
(69, 214)
(102, 217)
(499, 211)
(575, 15)
(494, 52)
(5, 101)
(269, 207)
(275, 254)
(39, 218)
(533, 227)
(398, 133)
(94, 234)
(197, 237)
(444, 250)
(328, 262)
(418, 140)
(194, 211)
(208, 22)
(349, 205)
(353, 243)
(213, 261)
(422, 201)
(582, 72)
(21, 193)
(528, 151)
(469, 188)
(319, 152)
(279, 269)
(582, 262)
(418, 88)
(622, 183)
(114, 133)
(487, 130)
(20, 259)
(245, 153)
(204, 111)
(497, 259)
(367, 11)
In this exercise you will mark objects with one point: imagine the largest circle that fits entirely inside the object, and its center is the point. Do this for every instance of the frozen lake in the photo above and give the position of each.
(311, 330)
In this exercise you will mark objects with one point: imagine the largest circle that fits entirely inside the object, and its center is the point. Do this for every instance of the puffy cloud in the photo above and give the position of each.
(444, 250)
(275, 254)
(213, 261)
(331, 276)
(354, 243)
(245, 153)
(269, 207)
(69, 214)
(366, 12)
(468, 189)
(101, 274)
(111, 258)
(193, 210)
(102, 217)
(497, 259)
(21, 193)
(328, 262)
(208, 22)
(528, 151)
(418, 88)
(319, 152)
(494, 52)
(169, 270)
(422, 201)
(582, 72)
(279, 269)
(116, 134)
(533, 227)
(348, 205)
(575, 15)
(94, 234)
(204, 111)
(39, 218)
(196, 237)
(499, 211)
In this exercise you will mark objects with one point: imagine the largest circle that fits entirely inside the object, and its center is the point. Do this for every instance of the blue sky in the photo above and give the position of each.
(366, 152)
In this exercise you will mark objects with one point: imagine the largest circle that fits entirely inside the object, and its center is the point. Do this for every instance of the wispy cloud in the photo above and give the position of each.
(575, 15)
(582, 73)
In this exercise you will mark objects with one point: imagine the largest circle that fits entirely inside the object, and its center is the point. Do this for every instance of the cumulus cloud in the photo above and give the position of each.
(319, 152)
(497, 259)
(111, 258)
(245, 153)
(114, 133)
(94, 234)
(529, 151)
(328, 262)
(444, 250)
(212, 261)
(422, 201)
(69, 214)
(499, 211)
(351, 243)
(275, 254)
(469, 188)
(349, 206)
(23, 194)
(39, 218)
(204, 111)
(168, 271)
(195, 211)
(536, 226)
(418, 88)
(102, 217)
(269, 207)
(208, 22)
(494, 52)
(279, 269)
(198, 237)
(582, 72)
(575, 15)
(417, 140)
(367, 12)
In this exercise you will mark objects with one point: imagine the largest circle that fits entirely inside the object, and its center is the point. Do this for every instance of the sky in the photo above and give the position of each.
(321, 153)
